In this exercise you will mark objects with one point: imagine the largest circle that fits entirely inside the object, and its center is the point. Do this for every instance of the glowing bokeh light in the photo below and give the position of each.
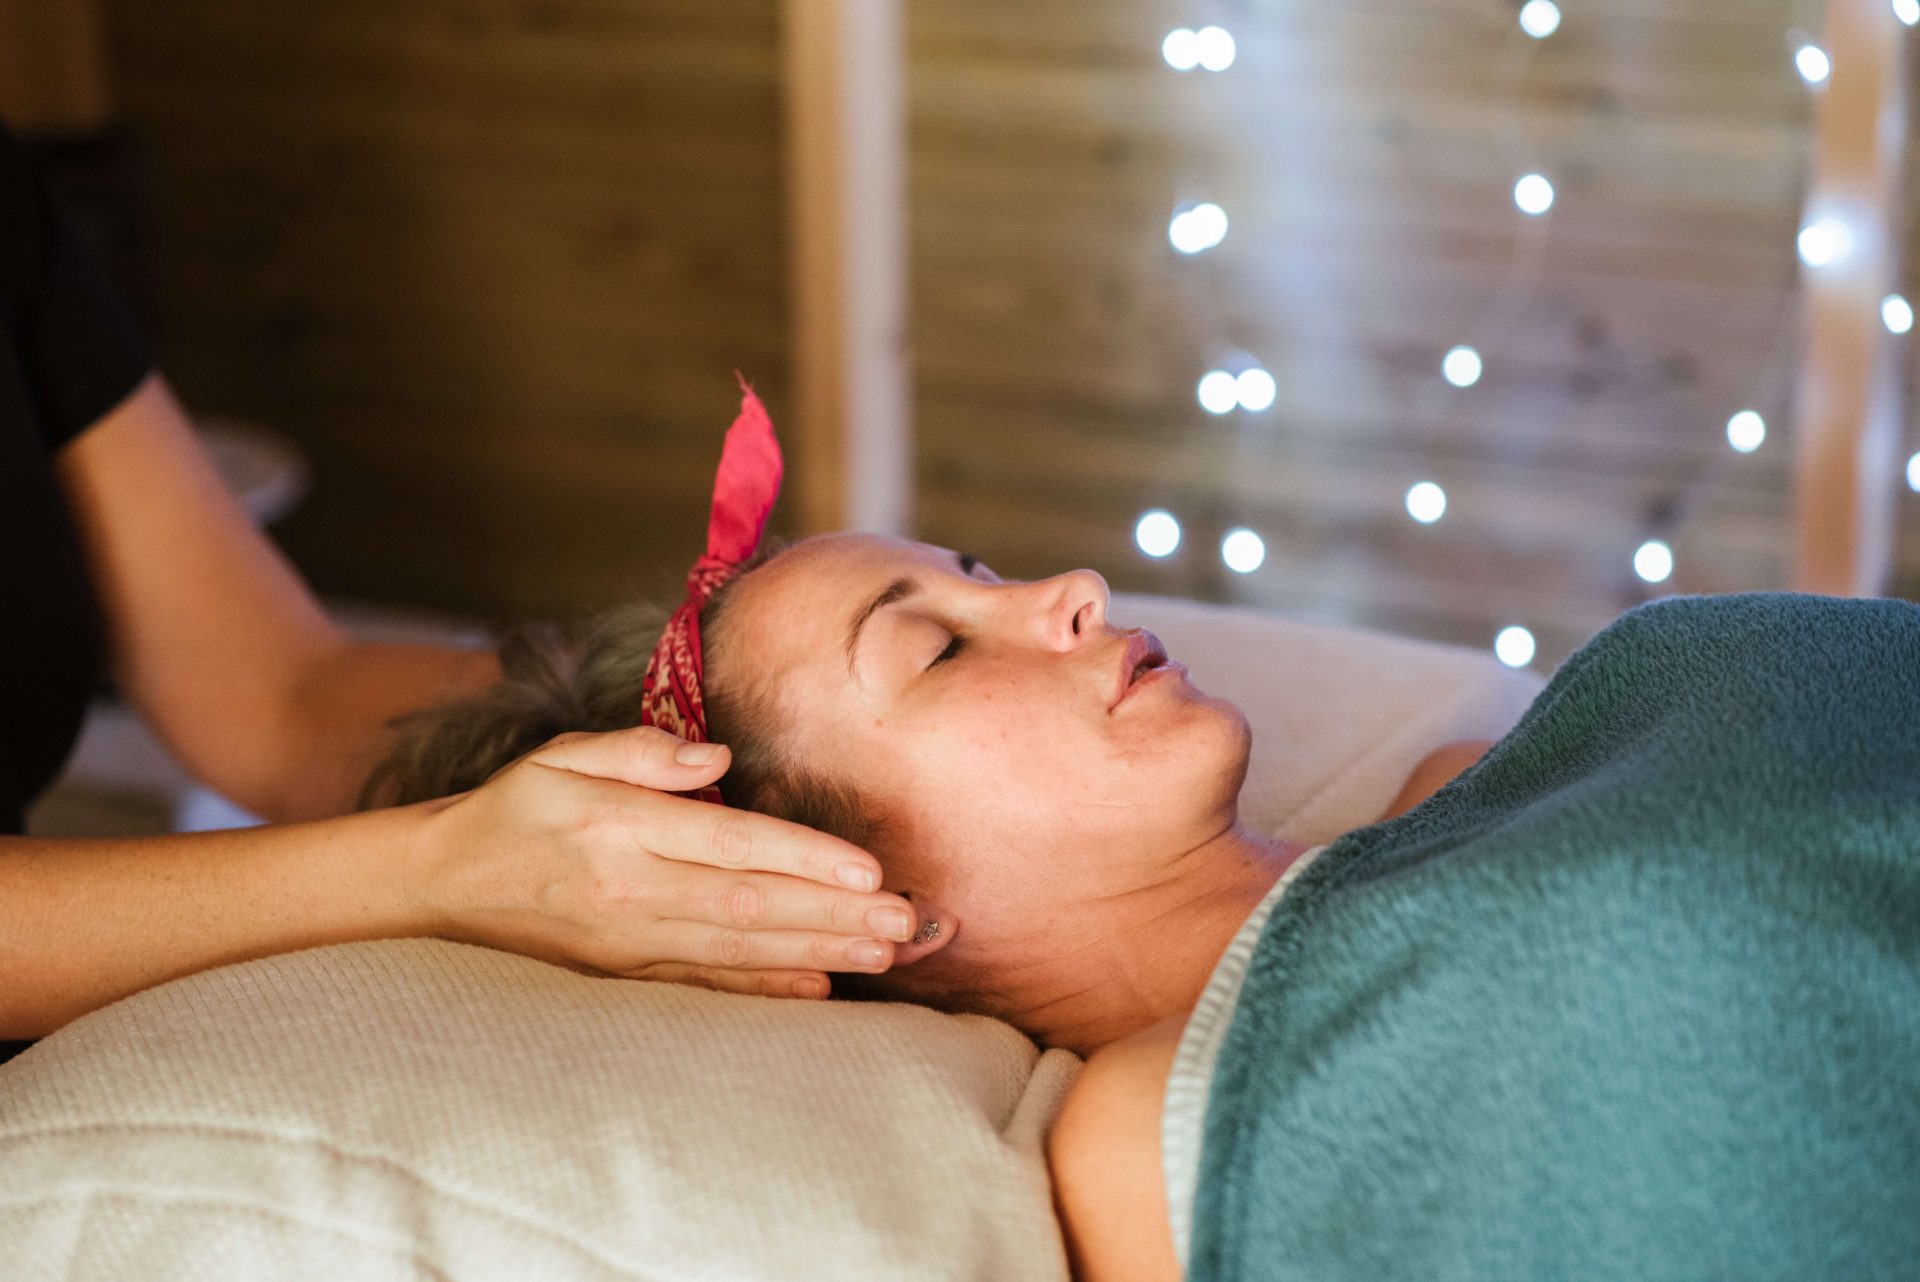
(1461, 366)
(1654, 561)
(1219, 392)
(1745, 431)
(1896, 312)
(1827, 241)
(1197, 227)
(1426, 502)
(1156, 533)
(1256, 389)
(1534, 194)
(1215, 48)
(1181, 49)
(1813, 64)
(1243, 551)
(1514, 647)
(1540, 18)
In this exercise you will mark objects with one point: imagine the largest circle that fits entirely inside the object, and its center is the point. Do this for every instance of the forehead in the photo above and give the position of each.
(793, 612)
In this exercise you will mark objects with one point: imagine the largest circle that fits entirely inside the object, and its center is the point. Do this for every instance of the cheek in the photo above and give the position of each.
(1017, 744)
(984, 784)
(1170, 781)
(1012, 781)
(971, 776)
(1043, 747)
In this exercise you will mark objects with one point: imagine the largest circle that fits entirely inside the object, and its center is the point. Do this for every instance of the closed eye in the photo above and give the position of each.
(974, 568)
(952, 648)
(968, 563)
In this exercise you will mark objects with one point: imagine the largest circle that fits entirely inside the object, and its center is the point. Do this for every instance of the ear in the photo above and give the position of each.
(928, 911)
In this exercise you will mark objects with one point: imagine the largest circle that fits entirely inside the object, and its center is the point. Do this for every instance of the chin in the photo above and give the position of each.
(1213, 742)
(1235, 746)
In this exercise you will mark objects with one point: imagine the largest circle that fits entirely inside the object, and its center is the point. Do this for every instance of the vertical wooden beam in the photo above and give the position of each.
(53, 74)
(846, 176)
(1847, 397)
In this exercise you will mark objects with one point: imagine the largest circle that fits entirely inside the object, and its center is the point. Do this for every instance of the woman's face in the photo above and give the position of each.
(1003, 728)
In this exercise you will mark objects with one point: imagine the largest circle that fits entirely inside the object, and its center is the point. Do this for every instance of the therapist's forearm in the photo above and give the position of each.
(334, 730)
(84, 922)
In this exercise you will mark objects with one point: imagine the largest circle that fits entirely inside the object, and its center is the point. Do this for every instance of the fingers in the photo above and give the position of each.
(740, 840)
(808, 984)
(730, 948)
(771, 901)
(693, 831)
(645, 756)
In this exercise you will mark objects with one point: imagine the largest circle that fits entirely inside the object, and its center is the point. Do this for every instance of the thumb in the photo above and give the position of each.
(645, 756)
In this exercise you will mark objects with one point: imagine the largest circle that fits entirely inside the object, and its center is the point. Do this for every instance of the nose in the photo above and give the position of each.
(1070, 609)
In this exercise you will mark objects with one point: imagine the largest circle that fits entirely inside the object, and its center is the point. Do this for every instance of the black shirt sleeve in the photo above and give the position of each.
(80, 350)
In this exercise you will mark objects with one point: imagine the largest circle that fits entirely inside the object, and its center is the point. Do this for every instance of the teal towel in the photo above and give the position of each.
(1636, 997)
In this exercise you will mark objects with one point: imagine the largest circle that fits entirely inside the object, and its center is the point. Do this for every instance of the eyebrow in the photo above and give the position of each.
(893, 594)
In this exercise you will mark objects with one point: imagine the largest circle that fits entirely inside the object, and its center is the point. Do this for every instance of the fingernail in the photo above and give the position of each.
(697, 754)
(867, 952)
(891, 922)
(858, 876)
(810, 988)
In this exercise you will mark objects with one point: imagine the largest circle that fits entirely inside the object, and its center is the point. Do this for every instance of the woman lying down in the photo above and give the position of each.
(1636, 996)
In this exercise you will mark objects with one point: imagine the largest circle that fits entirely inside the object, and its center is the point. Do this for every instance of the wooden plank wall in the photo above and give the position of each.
(53, 77)
(492, 264)
(1366, 155)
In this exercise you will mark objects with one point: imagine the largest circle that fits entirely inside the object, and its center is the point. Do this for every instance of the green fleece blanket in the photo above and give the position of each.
(1636, 997)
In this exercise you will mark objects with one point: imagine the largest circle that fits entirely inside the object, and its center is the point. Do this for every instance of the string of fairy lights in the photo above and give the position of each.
(1238, 384)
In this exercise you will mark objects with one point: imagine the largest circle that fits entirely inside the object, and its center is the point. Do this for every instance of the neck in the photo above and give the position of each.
(1146, 955)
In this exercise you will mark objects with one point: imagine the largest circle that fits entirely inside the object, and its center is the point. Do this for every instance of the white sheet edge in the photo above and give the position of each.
(1183, 1111)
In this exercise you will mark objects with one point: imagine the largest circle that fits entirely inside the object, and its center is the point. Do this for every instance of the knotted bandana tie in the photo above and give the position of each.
(744, 491)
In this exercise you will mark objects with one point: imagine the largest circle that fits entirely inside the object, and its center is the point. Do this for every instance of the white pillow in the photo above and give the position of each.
(416, 1108)
(424, 1109)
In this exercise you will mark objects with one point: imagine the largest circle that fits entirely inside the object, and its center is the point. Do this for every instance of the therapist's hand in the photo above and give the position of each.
(577, 854)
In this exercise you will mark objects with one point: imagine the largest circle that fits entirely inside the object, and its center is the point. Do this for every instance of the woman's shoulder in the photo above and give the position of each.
(1435, 771)
(1104, 1153)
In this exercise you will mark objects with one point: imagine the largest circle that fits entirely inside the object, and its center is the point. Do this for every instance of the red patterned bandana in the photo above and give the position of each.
(744, 491)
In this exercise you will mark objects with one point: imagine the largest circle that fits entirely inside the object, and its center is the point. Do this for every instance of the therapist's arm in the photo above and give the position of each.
(216, 640)
(578, 853)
